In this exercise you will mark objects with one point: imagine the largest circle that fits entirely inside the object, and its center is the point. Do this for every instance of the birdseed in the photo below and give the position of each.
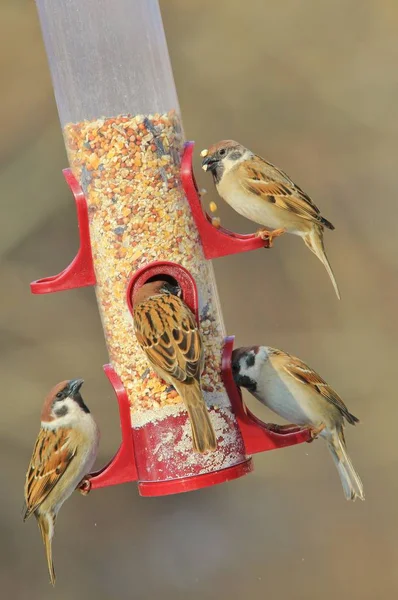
(129, 169)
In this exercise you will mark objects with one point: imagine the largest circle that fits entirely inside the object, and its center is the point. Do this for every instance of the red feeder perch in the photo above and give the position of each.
(140, 217)
(80, 272)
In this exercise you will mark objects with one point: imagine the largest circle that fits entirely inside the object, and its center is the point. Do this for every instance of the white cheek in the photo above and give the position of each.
(229, 164)
(253, 372)
(69, 419)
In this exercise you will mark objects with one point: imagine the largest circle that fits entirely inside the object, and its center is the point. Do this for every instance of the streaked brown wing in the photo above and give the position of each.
(273, 185)
(51, 457)
(167, 331)
(302, 372)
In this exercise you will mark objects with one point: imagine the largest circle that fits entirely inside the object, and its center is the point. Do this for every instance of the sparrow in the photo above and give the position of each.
(167, 331)
(64, 453)
(261, 192)
(298, 394)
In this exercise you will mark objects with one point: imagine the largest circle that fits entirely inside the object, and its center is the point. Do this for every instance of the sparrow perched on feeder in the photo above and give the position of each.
(295, 392)
(167, 331)
(65, 451)
(261, 192)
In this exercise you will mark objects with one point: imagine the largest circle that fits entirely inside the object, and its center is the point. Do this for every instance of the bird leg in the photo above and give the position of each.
(315, 431)
(84, 486)
(268, 236)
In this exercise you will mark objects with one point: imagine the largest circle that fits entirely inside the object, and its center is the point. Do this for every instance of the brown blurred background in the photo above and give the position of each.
(313, 87)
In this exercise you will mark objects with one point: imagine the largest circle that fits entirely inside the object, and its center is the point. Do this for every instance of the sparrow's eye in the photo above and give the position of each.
(59, 395)
(222, 152)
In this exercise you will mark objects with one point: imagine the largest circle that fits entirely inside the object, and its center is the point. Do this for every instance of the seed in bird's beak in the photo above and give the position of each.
(213, 206)
(204, 153)
(204, 167)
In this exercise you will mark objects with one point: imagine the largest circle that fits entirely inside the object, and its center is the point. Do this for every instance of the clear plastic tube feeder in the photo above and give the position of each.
(140, 217)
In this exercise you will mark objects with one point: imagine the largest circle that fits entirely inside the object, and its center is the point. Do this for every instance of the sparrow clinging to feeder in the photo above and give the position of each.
(167, 331)
(295, 392)
(65, 451)
(261, 192)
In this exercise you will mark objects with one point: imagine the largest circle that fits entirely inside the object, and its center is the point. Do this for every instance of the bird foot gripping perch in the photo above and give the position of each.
(269, 236)
(84, 486)
(315, 431)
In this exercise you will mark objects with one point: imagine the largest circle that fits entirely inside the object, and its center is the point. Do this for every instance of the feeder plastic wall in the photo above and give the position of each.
(107, 57)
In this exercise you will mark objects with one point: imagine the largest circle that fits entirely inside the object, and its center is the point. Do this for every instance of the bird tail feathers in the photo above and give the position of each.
(203, 435)
(314, 241)
(46, 524)
(350, 480)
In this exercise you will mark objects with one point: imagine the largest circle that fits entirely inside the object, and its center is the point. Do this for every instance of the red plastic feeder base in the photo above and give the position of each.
(132, 457)
(190, 484)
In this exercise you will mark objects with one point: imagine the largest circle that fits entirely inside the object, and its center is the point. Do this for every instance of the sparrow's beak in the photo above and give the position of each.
(209, 163)
(75, 385)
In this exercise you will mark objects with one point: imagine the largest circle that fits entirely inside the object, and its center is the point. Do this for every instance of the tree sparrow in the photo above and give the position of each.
(262, 193)
(65, 451)
(168, 333)
(295, 392)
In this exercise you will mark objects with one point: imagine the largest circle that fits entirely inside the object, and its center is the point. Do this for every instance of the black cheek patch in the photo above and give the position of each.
(250, 360)
(235, 155)
(61, 411)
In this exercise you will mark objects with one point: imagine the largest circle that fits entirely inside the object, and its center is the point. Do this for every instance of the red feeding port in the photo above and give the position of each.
(80, 272)
(169, 271)
(219, 241)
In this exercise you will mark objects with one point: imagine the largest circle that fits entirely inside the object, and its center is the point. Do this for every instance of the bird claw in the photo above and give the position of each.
(268, 236)
(84, 486)
(314, 432)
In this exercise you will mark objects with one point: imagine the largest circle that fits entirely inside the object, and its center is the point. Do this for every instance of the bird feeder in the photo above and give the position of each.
(140, 218)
